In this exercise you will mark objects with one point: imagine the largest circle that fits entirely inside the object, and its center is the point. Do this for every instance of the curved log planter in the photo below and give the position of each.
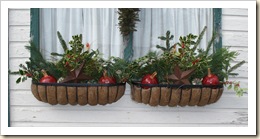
(74, 93)
(173, 95)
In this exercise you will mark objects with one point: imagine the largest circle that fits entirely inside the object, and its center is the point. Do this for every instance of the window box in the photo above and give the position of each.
(173, 95)
(77, 93)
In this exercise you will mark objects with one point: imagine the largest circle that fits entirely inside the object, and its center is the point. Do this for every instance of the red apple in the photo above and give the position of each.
(149, 79)
(210, 79)
(47, 78)
(106, 79)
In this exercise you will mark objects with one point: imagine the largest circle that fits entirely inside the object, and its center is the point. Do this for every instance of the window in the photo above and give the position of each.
(99, 27)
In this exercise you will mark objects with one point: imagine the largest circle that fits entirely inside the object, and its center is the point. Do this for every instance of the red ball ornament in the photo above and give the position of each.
(106, 79)
(149, 79)
(47, 78)
(210, 79)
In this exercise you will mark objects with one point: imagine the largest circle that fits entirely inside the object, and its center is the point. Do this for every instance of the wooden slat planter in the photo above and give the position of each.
(173, 95)
(73, 94)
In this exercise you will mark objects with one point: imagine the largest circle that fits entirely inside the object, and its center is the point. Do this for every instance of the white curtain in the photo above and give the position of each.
(180, 22)
(101, 31)
(68, 21)
(99, 27)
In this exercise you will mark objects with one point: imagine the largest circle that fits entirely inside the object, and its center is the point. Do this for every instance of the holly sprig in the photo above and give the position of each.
(235, 85)
(26, 72)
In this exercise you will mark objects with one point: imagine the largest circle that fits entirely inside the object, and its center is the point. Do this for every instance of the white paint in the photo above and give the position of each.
(26, 111)
(17, 50)
(17, 17)
(235, 11)
(236, 23)
(235, 38)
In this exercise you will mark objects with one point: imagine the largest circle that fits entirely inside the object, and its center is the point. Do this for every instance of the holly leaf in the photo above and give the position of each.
(24, 78)
(229, 87)
(18, 80)
(21, 72)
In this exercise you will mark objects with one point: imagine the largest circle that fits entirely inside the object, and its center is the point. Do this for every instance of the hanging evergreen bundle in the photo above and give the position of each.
(127, 20)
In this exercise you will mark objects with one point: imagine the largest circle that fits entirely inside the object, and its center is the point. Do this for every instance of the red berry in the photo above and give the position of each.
(88, 46)
(195, 61)
(183, 45)
(28, 74)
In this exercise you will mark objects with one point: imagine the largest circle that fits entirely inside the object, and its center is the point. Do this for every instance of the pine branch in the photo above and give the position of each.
(160, 47)
(236, 66)
(56, 54)
(167, 39)
(63, 43)
(199, 38)
(38, 62)
(37, 54)
(210, 42)
(232, 74)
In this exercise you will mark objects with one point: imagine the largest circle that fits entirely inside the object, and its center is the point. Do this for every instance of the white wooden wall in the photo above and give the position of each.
(26, 111)
(235, 35)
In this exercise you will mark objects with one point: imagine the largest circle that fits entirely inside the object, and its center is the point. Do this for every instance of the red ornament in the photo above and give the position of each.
(210, 79)
(149, 79)
(47, 78)
(106, 79)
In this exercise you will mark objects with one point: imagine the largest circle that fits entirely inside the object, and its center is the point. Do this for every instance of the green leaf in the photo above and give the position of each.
(24, 78)
(229, 87)
(236, 88)
(18, 80)
(21, 72)
(240, 93)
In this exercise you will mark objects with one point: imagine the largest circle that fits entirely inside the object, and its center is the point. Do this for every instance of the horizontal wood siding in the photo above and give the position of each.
(26, 111)
(235, 36)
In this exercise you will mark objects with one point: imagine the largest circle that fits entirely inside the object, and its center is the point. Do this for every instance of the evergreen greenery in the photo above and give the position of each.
(127, 20)
(184, 53)
(187, 56)
(33, 67)
(117, 68)
(167, 40)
